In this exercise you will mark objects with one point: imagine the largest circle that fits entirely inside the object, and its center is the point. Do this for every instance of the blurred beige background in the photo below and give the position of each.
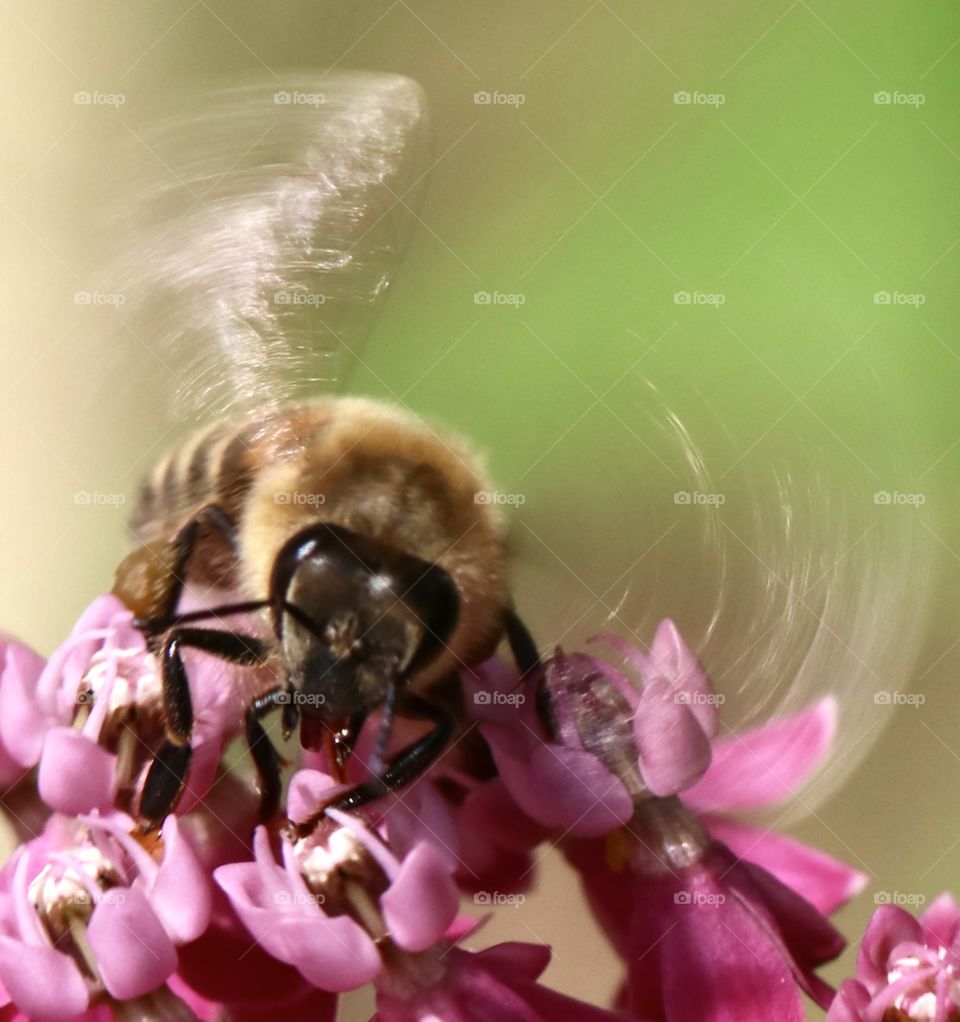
(599, 200)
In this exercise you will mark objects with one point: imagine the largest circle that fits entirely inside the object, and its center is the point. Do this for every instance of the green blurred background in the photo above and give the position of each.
(724, 244)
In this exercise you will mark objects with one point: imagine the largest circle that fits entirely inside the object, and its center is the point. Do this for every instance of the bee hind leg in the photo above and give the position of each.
(168, 771)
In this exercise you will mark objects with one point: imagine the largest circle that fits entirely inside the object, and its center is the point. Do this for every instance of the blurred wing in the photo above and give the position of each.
(271, 218)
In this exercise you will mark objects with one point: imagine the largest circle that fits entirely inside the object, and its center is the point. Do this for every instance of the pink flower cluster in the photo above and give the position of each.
(217, 918)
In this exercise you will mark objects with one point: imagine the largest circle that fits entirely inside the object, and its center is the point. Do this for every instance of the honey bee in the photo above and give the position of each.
(351, 529)
(361, 533)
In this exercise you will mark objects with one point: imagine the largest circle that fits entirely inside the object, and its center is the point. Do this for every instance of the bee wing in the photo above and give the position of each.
(269, 223)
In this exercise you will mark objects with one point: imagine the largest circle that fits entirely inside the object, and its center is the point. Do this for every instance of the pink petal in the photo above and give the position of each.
(332, 953)
(941, 921)
(22, 725)
(134, 953)
(850, 1003)
(43, 982)
(421, 902)
(68, 755)
(708, 958)
(673, 747)
(888, 927)
(766, 764)
(180, 893)
(561, 787)
(308, 789)
(673, 660)
(822, 880)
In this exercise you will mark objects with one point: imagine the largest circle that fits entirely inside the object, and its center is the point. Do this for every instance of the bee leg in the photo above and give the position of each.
(527, 656)
(151, 578)
(168, 772)
(265, 756)
(402, 768)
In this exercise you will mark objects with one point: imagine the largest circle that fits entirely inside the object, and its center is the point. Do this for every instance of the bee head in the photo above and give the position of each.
(354, 615)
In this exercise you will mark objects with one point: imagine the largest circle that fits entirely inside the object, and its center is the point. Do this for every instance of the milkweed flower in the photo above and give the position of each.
(94, 710)
(90, 916)
(632, 767)
(907, 968)
(345, 910)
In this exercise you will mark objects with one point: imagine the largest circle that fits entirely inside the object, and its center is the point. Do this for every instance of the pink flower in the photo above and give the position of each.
(86, 912)
(616, 740)
(95, 711)
(907, 968)
(678, 904)
(495, 985)
(345, 910)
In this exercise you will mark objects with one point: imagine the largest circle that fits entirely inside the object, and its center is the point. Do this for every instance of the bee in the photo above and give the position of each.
(363, 536)
(353, 533)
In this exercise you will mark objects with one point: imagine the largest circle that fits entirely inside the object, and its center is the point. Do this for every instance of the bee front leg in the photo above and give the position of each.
(527, 656)
(265, 756)
(168, 772)
(402, 768)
